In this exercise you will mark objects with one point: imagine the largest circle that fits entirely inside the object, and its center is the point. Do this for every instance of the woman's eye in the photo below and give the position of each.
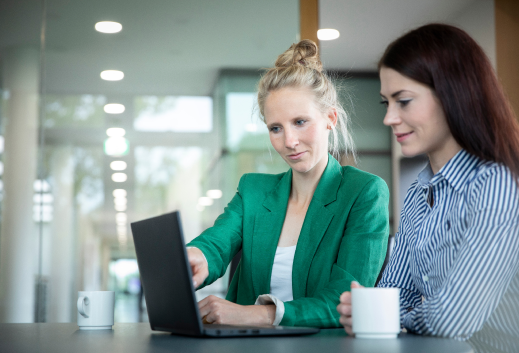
(274, 129)
(384, 103)
(403, 102)
(300, 122)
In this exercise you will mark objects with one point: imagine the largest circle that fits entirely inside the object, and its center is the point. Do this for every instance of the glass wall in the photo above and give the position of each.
(103, 129)
(163, 137)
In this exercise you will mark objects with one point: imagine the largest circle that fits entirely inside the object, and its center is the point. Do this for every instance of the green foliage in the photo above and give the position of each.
(74, 111)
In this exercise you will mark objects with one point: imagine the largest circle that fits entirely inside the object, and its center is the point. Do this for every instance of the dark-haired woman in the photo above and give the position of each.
(456, 253)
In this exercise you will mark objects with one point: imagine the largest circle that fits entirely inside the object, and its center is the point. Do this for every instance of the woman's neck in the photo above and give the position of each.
(304, 184)
(439, 158)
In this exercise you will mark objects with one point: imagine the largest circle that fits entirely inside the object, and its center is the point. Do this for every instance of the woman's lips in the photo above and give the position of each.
(402, 137)
(296, 156)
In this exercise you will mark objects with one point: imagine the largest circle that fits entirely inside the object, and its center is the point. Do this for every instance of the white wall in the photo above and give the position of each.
(478, 19)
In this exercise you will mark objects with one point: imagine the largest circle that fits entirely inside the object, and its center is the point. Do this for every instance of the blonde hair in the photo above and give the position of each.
(300, 67)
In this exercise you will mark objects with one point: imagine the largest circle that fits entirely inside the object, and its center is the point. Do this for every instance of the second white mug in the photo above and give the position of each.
(375, 312)
(95, 310)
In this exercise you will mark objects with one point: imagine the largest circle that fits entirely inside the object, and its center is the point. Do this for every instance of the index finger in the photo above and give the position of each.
(204, 301)
(345, 298)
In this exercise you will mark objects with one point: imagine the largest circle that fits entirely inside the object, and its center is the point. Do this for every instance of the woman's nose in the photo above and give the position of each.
(291, 140)
(391, 118)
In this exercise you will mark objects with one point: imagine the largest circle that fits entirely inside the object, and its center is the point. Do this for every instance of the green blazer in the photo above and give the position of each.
(343, 239)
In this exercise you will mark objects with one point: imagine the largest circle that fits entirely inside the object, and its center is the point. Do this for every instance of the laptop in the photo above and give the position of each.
(168, 286)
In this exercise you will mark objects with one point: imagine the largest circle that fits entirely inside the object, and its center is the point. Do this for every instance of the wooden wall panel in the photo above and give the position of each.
(309, 19)
(507, 48)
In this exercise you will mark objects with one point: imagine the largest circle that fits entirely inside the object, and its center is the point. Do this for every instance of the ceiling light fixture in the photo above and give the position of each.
(120, 201)
(108, 27)
(118, 165)
(116, 132)
(116, 146)
(114, 108)
(214, 194)
(205, 201)
(119, 193)
(119, 177)
(112, 75)
(120, 208)
(121, 218)
(251, 127)
(328, 34)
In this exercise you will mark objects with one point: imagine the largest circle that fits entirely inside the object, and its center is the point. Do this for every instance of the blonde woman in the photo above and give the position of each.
(307, 233)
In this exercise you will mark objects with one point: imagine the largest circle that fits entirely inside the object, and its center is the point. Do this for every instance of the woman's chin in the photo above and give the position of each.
(301, 168)
(411, 152)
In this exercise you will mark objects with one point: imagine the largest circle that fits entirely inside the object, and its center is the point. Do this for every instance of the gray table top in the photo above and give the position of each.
(138, 337)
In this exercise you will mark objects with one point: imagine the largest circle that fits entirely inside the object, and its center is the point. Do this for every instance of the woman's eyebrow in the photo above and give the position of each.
(395, 94)
(399, 92)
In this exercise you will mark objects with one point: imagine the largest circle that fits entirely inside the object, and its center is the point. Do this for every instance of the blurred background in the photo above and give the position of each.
(106, 124)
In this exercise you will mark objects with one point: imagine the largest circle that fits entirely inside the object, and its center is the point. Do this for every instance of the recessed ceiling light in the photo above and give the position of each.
(119, 193)
(205, 201)
(114, 108)
(118, 165)
(112, 75)
(120, 201)
(120, 208)
(119, 177)
(115, 132)
(214, 194)
(108, 27)
(121, 218)
(251, 127)
(328, 34)
(116, 146)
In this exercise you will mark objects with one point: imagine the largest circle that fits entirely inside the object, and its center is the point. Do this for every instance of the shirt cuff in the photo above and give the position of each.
(205, 258)
(266, 299)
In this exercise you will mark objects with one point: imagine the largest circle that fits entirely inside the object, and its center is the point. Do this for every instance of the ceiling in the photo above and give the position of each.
(177, 47)
(165, 47)
(367, 27)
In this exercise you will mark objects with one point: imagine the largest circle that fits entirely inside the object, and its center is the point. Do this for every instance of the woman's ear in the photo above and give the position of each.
(332, 117)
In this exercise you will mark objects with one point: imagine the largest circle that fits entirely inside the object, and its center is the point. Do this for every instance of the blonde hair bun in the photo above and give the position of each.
(305, 53)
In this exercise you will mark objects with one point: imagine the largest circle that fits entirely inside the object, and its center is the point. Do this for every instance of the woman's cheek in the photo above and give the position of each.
(314, 135)
(276, 142)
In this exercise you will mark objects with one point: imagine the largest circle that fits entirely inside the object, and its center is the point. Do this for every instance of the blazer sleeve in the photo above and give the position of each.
(224, 239)
(360, 258)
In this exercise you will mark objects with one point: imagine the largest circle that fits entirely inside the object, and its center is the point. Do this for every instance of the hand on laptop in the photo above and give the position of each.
(199, 266)
(344, 308)
(216, 310)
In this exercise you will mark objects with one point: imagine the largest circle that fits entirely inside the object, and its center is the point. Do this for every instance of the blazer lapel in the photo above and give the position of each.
(316, 223)
(265, 237)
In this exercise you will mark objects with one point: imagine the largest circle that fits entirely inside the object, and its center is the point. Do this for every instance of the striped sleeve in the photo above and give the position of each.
(484, 266)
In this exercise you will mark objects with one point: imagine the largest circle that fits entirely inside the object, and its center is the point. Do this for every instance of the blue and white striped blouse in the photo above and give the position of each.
(457, 260)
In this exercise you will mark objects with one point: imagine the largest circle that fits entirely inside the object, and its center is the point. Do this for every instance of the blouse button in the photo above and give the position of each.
(425, 278)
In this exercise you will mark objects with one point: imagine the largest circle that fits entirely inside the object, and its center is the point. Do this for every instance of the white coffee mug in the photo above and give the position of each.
(95, 310)
(375, 312)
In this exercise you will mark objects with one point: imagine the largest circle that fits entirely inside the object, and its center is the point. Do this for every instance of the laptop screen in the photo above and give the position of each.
(166, 275)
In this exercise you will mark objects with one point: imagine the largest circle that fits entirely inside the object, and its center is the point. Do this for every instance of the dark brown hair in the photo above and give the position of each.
(478, 112)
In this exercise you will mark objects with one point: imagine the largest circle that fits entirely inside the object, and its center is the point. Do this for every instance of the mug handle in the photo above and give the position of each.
(81, 302)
